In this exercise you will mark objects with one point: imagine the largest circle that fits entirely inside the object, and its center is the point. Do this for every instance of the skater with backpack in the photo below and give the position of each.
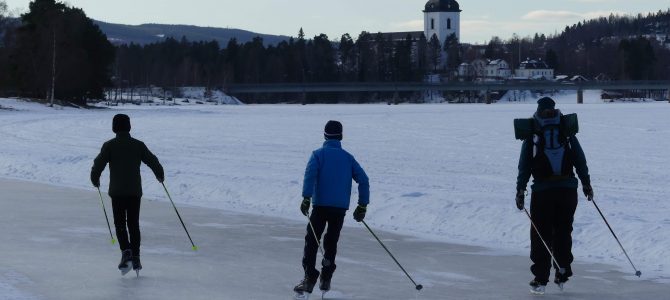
(549, 153)
(124, 155)
(327, 185)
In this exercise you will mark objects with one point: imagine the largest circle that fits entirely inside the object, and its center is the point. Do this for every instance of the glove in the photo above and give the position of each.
(520, 194)
(96, 183)
(304, 206)
(359, 213)
(588, 191)
(160, 179)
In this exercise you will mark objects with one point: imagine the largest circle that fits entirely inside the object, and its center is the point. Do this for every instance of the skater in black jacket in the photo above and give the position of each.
(124, 155)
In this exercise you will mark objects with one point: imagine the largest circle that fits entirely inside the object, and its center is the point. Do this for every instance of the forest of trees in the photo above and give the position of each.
(53, 36)
(86, 63)
(620, 47)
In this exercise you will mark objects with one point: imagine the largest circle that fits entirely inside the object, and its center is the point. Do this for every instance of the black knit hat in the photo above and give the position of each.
(545, 103)
(333, 130)
(121, 123)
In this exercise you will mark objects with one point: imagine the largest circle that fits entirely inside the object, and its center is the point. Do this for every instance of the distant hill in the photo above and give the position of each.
(150, 33)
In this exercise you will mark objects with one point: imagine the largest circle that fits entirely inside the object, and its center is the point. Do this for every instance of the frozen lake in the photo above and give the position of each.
(56, 246)
(445, 173)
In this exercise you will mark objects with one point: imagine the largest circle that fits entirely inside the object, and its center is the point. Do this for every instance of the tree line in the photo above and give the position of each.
(54, 45)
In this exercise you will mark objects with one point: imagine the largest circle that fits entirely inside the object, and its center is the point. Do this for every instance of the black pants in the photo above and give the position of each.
(552, 212)
(321, 216)
(127, 212)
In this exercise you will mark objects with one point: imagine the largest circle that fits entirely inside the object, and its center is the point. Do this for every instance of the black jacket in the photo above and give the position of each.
(124, 155)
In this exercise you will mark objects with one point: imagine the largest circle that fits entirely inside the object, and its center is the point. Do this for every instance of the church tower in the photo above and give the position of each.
(442, 18)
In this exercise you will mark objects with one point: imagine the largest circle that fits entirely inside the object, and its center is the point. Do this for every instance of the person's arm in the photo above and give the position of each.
(99, 164)
(358, 174)
(311, 173)
(525, 162)
(580, 161)
(151, 160)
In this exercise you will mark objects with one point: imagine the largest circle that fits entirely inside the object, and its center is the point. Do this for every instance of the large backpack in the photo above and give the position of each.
(552, 159)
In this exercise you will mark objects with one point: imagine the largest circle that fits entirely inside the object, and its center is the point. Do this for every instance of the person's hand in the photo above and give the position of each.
(96, 183)
(359, 213)
(160, 179)
(304, 206)
(520, 194)
(588, 191)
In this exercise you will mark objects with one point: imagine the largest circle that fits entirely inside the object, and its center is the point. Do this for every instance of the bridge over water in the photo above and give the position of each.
(486, 87)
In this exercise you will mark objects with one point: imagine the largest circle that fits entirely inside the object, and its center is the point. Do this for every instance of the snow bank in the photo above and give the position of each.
(444, 172)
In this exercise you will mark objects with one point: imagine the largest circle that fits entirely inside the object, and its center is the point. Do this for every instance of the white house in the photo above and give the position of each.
(534, 69)
(498, 69)
(465, 70)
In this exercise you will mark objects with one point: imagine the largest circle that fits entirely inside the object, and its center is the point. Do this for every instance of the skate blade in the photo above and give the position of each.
(561, 286)
(137, 273)
(125, 270)
(301, 296)
(534, 292)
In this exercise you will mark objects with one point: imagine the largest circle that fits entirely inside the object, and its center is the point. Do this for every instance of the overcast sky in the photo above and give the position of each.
(480, 19)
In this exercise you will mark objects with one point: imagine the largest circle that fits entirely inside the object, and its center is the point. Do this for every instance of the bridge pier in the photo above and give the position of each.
(487, 97)
(580, 96)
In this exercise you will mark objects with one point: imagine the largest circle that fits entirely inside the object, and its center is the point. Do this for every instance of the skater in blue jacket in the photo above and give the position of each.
(327, 185)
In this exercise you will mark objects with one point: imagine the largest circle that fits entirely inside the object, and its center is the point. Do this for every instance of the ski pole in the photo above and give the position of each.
(318, 242)
(195, 248)
(637, 272)
(560, 270)
(106, 218)
(417, 286)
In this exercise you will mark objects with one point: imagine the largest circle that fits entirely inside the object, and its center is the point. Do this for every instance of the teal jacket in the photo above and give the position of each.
(125, 155)
(526, 165)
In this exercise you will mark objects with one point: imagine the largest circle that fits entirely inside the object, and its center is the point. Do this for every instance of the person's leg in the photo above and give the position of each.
(566, 205)
(119, 207)
(541, 210)
(133, 220)
(318, 220)
(335, 222)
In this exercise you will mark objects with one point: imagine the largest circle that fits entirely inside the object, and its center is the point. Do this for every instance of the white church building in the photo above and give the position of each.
(442, 18)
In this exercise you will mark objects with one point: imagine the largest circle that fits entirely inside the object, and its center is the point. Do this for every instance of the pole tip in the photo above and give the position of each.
(638, 273)
(113, 241)
(195, 248)
(419, 287)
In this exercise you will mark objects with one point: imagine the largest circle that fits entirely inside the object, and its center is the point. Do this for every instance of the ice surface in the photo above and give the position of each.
(440, 172)
(248, 262)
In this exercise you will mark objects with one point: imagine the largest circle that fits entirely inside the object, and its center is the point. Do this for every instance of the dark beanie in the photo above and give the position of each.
(333, 130)
(121, 123)
(545, 103)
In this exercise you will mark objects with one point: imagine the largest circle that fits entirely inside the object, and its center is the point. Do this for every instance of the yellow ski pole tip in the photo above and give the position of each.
(195, 248)
(113, 241)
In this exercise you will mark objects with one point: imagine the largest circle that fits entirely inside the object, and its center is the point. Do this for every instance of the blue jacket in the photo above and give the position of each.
(328, 177)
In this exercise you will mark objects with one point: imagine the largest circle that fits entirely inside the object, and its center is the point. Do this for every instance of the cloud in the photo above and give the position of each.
(554, 15)
(564, 15)
(413, 25)
(593, 1)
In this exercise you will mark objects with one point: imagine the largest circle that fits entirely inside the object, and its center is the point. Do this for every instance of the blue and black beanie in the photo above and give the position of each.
(333, 130)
